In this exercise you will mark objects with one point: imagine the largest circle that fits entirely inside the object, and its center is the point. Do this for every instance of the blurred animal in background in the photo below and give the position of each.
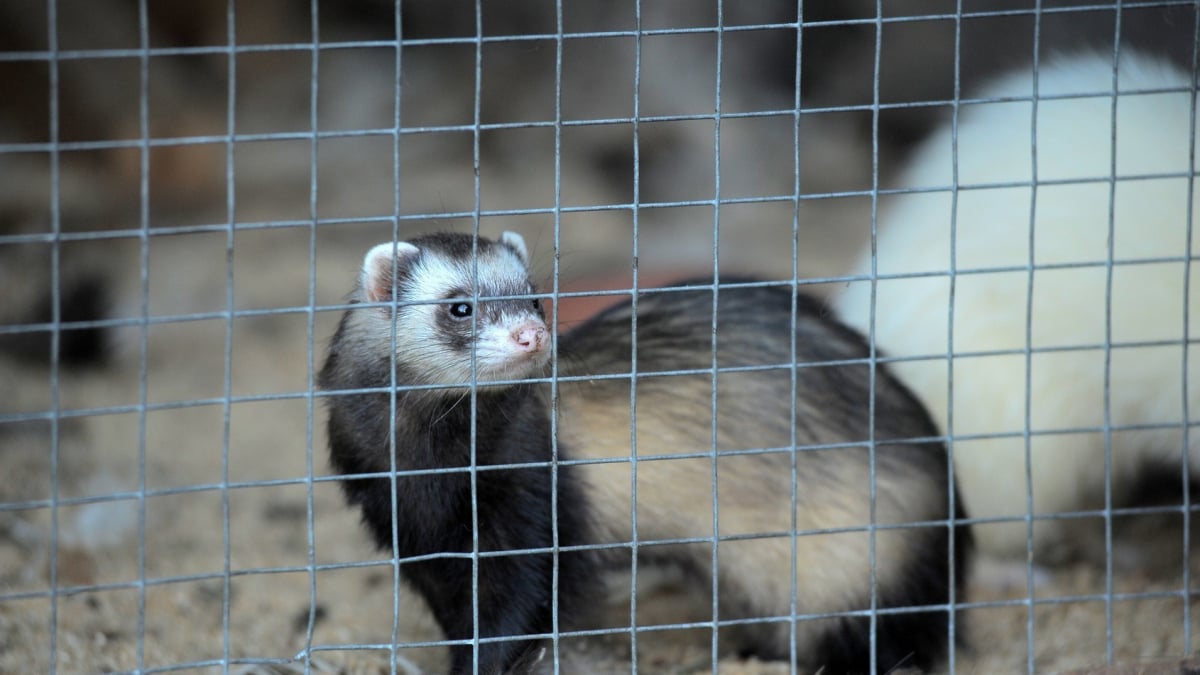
(1104, 213)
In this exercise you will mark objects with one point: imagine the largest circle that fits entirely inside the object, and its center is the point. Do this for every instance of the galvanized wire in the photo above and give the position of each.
(227, 400)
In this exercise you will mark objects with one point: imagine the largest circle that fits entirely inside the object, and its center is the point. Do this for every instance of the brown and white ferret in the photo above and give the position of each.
(779, 469)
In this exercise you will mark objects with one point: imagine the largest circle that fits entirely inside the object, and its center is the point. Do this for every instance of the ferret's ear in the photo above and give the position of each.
(376, 279)
(518, 243)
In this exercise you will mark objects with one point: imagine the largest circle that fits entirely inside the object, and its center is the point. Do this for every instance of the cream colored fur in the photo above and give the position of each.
(1071, 224)
(754, 493)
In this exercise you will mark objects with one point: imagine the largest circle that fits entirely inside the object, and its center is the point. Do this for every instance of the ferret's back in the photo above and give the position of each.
(760, 415)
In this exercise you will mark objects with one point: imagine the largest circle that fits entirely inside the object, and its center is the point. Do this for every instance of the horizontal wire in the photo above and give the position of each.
(211, 139)
(308, 47)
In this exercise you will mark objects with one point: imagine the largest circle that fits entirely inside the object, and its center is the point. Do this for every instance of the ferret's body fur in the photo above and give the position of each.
(1067, 389)
(674, 495)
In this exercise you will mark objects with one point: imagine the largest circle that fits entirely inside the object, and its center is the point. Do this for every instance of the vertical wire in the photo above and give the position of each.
(310, 374)
(144, 338)
(873, 355)
(1112, 205)
(56, 320)
(1187, 280)
(393, 337)
(1027, 437)
(952, 584)
(633, 322)
(476, 132)
(794, 496)
(554, 457)
(227, 405)
(716, 293)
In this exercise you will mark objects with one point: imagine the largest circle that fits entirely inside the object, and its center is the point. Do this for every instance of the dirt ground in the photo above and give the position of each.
(168, 511)
(196, 572)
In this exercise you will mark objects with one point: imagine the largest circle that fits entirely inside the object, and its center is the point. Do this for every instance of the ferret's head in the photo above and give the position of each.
(454, 301)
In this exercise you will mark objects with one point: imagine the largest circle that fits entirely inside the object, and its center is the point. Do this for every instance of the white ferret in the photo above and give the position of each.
(1147, 207)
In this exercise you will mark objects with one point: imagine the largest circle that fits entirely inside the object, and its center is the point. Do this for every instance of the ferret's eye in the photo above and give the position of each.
(461, 310)
(537, 305)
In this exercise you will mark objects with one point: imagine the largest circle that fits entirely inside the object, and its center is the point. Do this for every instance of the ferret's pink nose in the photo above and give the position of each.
(531, 337)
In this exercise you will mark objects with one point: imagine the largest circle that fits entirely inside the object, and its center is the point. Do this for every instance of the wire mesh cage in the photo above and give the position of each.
(997, 196)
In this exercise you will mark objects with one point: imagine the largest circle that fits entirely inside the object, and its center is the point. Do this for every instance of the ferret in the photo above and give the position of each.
(444, 311)
(1079, 208)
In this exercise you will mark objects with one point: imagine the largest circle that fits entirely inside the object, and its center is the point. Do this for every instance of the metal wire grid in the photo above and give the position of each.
(53, 56)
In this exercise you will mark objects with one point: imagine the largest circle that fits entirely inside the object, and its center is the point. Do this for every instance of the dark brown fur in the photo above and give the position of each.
(515, 509)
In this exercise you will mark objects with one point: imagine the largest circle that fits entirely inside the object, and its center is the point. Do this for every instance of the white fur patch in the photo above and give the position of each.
(518, 242)
(992, 227)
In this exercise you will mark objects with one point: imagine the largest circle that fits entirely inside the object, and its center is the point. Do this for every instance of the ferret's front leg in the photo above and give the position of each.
(514, 600)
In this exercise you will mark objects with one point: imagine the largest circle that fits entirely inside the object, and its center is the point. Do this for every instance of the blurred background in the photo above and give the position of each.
(183, 187)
